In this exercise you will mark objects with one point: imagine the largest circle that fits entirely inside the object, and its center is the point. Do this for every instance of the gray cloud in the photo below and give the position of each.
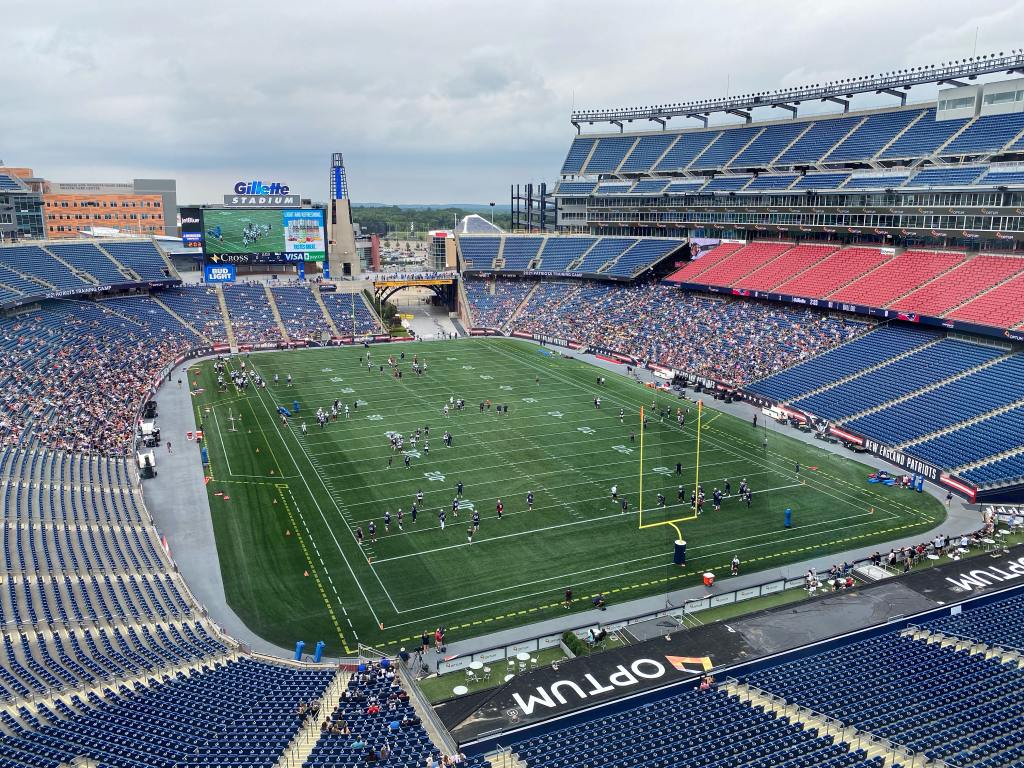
(429, 101)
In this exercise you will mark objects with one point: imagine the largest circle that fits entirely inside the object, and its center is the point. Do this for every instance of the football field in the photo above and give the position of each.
(286, 505)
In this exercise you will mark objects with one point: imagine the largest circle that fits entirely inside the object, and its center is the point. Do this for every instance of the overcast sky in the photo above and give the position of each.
(430, 101)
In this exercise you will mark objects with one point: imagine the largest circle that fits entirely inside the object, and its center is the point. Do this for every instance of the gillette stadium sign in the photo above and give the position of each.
(260, 193)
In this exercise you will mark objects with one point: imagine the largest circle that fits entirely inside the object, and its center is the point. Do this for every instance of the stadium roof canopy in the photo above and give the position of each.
(474, 224)
(840, 91)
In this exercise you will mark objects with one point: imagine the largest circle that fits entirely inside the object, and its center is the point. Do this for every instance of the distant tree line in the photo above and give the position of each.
(395, 219)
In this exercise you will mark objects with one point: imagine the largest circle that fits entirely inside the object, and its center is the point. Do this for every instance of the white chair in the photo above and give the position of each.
(487, 673)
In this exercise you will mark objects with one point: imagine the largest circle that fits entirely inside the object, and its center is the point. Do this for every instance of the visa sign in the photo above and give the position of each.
(261, 188)
(219, 273)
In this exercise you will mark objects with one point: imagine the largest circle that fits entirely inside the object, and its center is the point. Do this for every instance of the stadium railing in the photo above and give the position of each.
(895, 754)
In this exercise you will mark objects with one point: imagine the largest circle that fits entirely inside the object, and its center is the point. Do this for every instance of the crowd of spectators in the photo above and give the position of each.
(730, 339)
(74, 374)
(493, 309)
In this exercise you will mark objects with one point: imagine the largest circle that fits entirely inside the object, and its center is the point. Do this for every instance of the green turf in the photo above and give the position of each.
(233, 221)
(290, 503)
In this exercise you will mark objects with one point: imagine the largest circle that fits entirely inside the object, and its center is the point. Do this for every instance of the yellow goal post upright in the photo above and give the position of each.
(679, 556)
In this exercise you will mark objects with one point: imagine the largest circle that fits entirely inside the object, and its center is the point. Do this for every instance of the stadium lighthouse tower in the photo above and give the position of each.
(343, 259)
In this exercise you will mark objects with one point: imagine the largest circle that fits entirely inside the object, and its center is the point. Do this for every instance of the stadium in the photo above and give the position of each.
(722, 466)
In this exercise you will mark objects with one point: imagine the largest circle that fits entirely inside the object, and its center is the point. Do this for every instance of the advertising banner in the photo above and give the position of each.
(219, 273)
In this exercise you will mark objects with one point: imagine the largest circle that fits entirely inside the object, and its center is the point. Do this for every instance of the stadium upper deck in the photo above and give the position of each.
(949, 172)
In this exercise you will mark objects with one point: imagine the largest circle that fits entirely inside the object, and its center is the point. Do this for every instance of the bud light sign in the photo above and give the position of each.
(219, 273)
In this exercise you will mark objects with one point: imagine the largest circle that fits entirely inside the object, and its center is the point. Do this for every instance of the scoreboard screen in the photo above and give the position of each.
(267, 235)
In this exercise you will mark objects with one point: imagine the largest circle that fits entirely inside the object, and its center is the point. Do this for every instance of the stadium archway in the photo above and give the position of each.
(445, 288)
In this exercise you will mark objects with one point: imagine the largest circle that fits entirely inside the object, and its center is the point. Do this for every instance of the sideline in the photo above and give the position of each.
(178, 501)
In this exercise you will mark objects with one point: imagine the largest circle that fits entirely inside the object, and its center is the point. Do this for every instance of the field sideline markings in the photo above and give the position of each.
(667, 564)
(750, 452)
(734, 550)
(323, 517)
(330, 530)
(281, 488)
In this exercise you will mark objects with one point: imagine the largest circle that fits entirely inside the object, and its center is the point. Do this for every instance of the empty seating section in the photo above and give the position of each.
(896, 277)
(607, 248)
(818, 140)
(922, 368)
(1000, 307)
(1007, 470)
(696, 268)
(724, 148)
(239, 713)
(576, 187)
(9, 183)
(743, 262)
(999, 176)
(821, 181)
(646, 152)
(765, 183)
(376, 712)
(1000, 623)
(609, 153)
(649, 187)
(520, 251)
(600, 255)
(299, 311)
(683, 187)
(859, 355)
(560, 252)
(250, 314)
(350, 314)
(877, 131)
(988, 133)
(988, 437)
(726, 183)
(19, 282)
(833, 272)
(923, 137)
(199, 306)
(479, 252)
(945, 703)
(951, 176)
(686, 148)
(960, 284)
(694, 729)
(143, 258)
(876, 181)
(88, 258)
(494, 301)
(35, 262)
(792, 262)
(577, 155)
(645, 253)
(977, 393)
(768, 145)
(613, 187)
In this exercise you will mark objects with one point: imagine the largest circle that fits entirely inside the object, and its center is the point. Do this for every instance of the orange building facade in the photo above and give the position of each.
(68, 213)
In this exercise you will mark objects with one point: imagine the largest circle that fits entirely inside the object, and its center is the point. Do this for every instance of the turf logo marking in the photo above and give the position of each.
(326, 370)
(347, 391)
(505, 388)
(586, 430)
(468, 368)
(413, 454)
(662, 471)
(434, 476)
(375, 417)
(529, 399)
(486, 377)
(555, 414)
(622, 449)
(336, 379)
